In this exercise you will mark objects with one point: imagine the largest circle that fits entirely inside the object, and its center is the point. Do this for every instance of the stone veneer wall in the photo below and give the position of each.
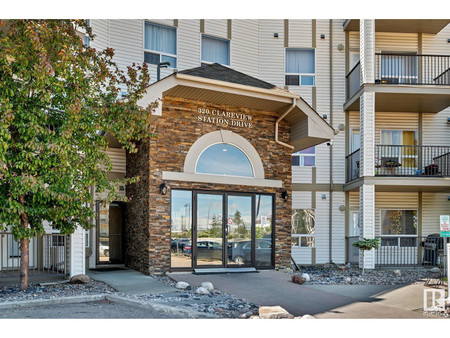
(137, 224)
(177, 130)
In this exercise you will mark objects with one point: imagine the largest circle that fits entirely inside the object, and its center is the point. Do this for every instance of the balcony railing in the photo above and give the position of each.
(402, 250)
(403, 160)
(353, 80)
(412, 69)
(353, 166)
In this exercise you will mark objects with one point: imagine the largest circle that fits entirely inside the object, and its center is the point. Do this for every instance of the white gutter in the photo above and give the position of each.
(294, 103)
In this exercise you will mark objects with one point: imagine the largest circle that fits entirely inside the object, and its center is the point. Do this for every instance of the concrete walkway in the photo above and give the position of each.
(270, 287)
(131, 282)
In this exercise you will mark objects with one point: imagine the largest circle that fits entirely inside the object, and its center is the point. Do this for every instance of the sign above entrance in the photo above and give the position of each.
(224, 117)
(444, 225)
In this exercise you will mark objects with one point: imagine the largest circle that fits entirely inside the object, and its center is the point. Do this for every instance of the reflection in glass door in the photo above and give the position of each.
(209, 238)
(239, 231)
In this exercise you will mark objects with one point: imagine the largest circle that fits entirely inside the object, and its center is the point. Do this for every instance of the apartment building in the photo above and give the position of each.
(379, 89)
(382, 85)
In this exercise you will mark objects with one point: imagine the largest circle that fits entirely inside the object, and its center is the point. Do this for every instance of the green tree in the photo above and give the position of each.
(366, 244)
(58, 98)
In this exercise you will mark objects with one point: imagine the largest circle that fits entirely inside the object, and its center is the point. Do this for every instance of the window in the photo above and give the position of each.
(398, 222)
(300, 67)
(304, 158)
(160, 44)
(181, 228)
(303, 226)
(224, 159)
(215, 50)
(405, 154)
(355, 140)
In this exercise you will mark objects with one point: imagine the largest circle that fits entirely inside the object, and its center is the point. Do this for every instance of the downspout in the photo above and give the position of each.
(331, 145)
(294, 103)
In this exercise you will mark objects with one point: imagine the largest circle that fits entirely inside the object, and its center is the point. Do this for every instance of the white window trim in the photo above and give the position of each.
(218, 38)
(158, 52)
(300, 236)
(300, 74)
(302, 159)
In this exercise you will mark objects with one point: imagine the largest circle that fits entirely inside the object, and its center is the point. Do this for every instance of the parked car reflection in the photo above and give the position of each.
(241, 252)
(178, 244)
(206, 250)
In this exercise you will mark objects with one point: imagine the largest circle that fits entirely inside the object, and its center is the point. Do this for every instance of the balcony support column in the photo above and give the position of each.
(367, 222)
(367, 50)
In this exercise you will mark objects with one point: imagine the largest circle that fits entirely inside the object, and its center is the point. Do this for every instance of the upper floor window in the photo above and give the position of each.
(160, 44)
(215, 50)
(304, 158)
(300, 67)
(224, 159)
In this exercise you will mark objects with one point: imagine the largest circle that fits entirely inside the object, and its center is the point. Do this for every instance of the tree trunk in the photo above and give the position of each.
(363, 263)
(24, 254)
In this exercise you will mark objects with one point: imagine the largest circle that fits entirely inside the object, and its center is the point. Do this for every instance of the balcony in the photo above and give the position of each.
(404, 161)
(404, 83)
(427, 26)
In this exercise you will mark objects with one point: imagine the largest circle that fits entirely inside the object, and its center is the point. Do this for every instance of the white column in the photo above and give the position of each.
(367, 222)
(77, 252)
(367, 50)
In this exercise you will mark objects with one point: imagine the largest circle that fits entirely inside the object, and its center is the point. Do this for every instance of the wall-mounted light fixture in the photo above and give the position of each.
(448, 120)
(284, 195)
(342, 207)
(275, 35)
(340, 47)
(341, 127)
(324, 116)
(322, 36)
(163, 188)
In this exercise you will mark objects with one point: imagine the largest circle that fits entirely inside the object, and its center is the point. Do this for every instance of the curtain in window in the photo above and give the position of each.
(403, 67)
(160, 38)
(215, 50)
(391, 137)
(300, 61)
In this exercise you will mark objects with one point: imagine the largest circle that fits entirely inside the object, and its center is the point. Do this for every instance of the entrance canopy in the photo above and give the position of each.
(222, 85)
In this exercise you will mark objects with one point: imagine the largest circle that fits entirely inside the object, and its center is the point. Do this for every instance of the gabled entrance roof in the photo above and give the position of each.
(222, 85)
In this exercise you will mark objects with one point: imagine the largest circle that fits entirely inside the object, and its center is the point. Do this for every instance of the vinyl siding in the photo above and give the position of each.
(301, 200)
(118, 160)
(271, 51)
(302, 174)
(338, 228)
(396, 42)
(217, 28)
(322, 228)
(433, 205)
(394, 121)
(188, 44)
(245, 46)
(77, 252)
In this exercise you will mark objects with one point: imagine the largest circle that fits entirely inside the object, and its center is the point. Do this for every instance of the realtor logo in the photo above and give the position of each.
(437, 300)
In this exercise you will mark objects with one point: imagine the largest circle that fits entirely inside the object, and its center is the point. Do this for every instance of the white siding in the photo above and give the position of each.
(433, 205)
(217, 27)
(271, 51)
(338, 228)
(188, 44)
(245, 46)
(77, 252)
(436, 130)
(301, 200)
(118, 160)
(301, 174)
(322, 228)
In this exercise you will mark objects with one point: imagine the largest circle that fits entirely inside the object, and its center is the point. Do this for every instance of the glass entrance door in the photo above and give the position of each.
(239, 230)
(209, 239)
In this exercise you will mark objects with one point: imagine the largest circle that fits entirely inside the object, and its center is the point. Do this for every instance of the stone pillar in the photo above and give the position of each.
(367, 50)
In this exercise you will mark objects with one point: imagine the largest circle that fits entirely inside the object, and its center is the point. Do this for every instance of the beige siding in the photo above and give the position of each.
(353, 41)
(216, 27)
(397, 42)
(244, 46)
(302, 174)
(118, 160)
(436, 43)
(338, 228)
(353, 198)
(394, 200)
(436, 130)
(322, 228)
(394, 121)
(188, 44)
(271, 52)
(301, 200)
(433, 205)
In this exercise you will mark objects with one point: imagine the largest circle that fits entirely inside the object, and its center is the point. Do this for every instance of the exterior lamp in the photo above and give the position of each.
(163, 188)
(284, 195)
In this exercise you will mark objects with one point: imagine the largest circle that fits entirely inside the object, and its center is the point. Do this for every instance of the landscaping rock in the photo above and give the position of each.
(397, 273)
(297, 279)
(80, 279)
(348, 280)
(348, 265)
(435, 270)
(208, 286)
(308, 317)
(182, 285)
(306, 277)
(202, 291)
(273, 312)
(343, 267)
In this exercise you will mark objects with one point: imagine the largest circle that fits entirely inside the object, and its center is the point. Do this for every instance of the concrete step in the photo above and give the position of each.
(222, 270)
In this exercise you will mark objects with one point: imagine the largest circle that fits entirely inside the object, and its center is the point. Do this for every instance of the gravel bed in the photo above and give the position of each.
(216, 303)
(349, 275)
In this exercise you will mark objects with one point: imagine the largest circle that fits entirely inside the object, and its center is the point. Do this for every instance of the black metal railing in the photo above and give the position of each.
(47, 255)
(353, 166)
(412, 69)
(404, 160)
(353, 81)
(403, 250)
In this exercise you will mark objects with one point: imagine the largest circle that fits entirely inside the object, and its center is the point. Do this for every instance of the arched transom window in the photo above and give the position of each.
(224, 159)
